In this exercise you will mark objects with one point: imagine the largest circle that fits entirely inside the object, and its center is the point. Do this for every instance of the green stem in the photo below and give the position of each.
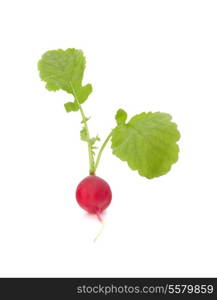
(101, 150)
(84, 120)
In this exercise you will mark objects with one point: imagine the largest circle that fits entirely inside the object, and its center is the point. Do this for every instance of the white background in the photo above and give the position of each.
(141, 56)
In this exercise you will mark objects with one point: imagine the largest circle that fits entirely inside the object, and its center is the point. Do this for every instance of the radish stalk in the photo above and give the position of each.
(101, 150)
(84, 120)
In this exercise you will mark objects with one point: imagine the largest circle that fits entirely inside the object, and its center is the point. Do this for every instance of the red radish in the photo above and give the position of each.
(151, 154)
(93, 194)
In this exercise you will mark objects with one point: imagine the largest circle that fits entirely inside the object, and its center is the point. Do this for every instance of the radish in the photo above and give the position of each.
(147, 142)
(94, 195)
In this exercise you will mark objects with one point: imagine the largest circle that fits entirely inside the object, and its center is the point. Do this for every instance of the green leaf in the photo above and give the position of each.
(121, 116)
(91, 141)
(84, 135)
(71, 106)
(94, 140)
(147, 143)
(83, 93)
(64, 70)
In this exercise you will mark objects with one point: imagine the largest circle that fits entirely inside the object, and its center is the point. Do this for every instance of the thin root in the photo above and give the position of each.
(102, 227)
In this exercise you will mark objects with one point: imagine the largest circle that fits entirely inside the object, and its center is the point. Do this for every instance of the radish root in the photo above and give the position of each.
(102, 227)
